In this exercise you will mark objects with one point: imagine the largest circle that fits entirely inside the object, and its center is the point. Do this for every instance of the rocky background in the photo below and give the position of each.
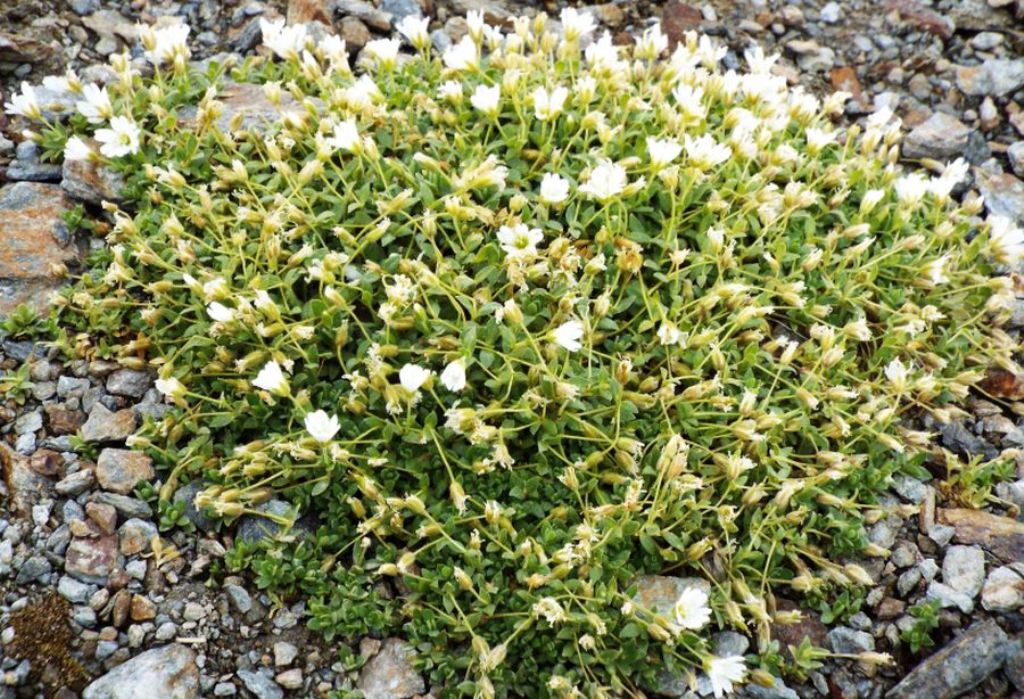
(90, 607)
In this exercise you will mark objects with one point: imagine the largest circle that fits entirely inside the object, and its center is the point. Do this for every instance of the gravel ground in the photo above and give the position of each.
(75, 541)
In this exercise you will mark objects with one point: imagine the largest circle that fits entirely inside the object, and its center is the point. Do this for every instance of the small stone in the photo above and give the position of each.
(964, 569)
(302, 11)
(142, 608)
(241, 599)
(364, 11)
(996, 77)
(355, 33)
(91, 181)
(106, 426)
(168, 672)
(91, 560)
(940, 137)
(129, 382)
(678, 18)
(843, 639)
(187, 494)
(284, 653)
(400, 9)
(1001, 536)
(126, 506)
(224, 689)
(194, 612)
(73, 590)
(105, 516)
(33, 569)
(253, 528)
(910, 489)
(831, 13)
(1016, 155)
(262, 685)
(290, 679)
(135, 536)
(988, 115)
(62, 421)
(390, 674)
(963, 664)
(941, 534)
(890, 608)
(948, 597)
(166, 631)
(1003, 590)
(119, 470)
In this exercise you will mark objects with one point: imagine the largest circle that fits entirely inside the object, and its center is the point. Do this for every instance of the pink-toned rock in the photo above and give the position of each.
(25, 484)
(34, 244)
(677, 18)
(118, 470)
(91, 559)
(1001, 536)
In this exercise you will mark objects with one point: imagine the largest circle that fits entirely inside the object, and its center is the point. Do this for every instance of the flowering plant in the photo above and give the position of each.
(518, 324)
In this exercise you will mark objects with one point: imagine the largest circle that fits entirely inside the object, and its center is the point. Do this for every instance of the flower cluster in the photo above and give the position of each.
(528, 322)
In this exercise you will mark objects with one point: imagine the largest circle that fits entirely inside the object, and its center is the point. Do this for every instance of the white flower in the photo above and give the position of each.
(272, 379)
(346, 136)
(450, 91)
(1005, 239)
(705, 152)
(220, 313)
(412, 377)
(519, 241)
(384, 51)
(896, 372)
(171, 387)
(603, 56)
(554, 189)
(284, 41)
(476, 25)
(577, 24)
(547, 105)
(464, 55)
(935, 271)
(414, 29)
(723, 672)
(910, 189)
(25, 104)
(164, 45)
(122, 138)
(95, 104)
(77, 149)
(691, 610)
(652, 43)
(607, 180)
(486, 99)
(362, 93)
(663, 150)
(550, 609)
(817, 139)
(569, 334)
(61, 83)
(335, 51)
(669, 334)
(454, 376)
(321, 426)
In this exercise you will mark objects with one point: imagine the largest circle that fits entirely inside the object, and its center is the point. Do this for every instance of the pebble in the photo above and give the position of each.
(74, 590)
(129, 382)
(239, 597)
(166, 671)
(284, 653)
(1016, 155)
(262, 685)
(963, 569)
(1003, 590)
(290, 679)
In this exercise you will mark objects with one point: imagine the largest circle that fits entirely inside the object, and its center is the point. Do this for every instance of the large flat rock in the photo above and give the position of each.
(35, 242)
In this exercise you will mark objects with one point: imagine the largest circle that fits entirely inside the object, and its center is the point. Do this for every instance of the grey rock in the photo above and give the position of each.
(290, 679)
(224, 689)
(994, 77)
(1003, 590)
(187, 494)
(400, 9)
(843, 639)
(1016, 155)
(948, 597)
(941, 534)
(84, 616)
(239, 597)
(104, 425)
(963, 664)
(941, 137)
(84, 7)
(963, 569)
(29, 422)
(126, 506)
(129, 382)
(119, 470)
(378, 19)
(169, 672)
(91, 182)
(253, 528)
(166, 631)
(285, 653)
(76, 483)
(33, 569)
(1004, 196)
(74, 591)
(71, 386)
(27, 167)
(261, 684)
(390, 674)
(910, 489)
(956, 437)
(778, 690)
